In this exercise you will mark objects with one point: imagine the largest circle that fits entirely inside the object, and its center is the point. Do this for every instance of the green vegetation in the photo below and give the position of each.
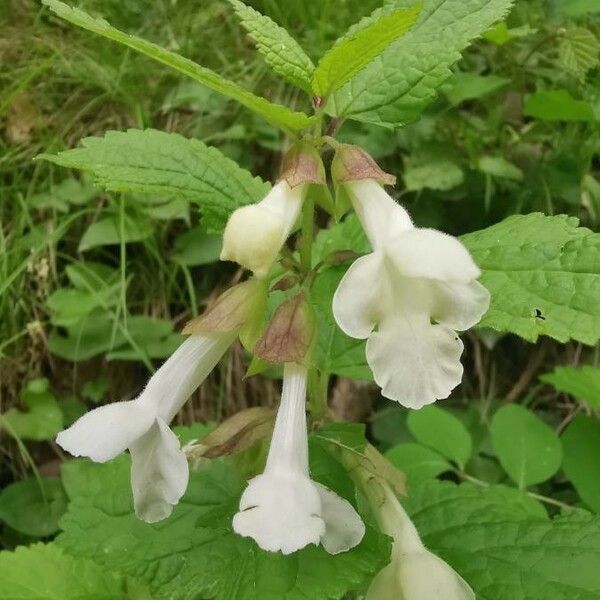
(121, 159)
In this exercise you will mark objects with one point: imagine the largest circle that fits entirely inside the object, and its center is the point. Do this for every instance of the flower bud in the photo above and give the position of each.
(414, 573)
(289, 334)
(255, 233)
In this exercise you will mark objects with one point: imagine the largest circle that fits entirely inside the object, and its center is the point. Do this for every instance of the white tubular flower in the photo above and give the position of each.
(408, 297)
(159, 469)
(413, 573)
(283, 509)
(255, 233)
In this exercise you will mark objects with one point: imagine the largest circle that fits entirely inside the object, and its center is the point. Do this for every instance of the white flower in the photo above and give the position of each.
(255, 233)
(283, 509)
(408, 297)
(159, 469)
(413, 573)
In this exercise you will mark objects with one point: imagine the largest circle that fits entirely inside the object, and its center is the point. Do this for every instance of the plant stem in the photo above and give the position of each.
(308, 211)
(539, 497)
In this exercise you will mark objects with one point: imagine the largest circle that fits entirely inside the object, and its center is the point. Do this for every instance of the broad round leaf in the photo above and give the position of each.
(438, 429)
(528, 449)
(31, 510)
(417, 462)
(581, 461)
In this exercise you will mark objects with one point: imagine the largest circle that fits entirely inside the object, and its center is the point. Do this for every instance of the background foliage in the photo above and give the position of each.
(100, 267)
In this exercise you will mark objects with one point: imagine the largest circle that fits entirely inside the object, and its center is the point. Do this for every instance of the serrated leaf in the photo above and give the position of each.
(437, 428)
(528, 449)
(504, 549)
(544, 277)
(279, 49)
(194, 553)
(355, 51)
(581, 460)
(45, 572)
(396, 87)
(154, 162)
(581, 382)
(558, 105)
(33, 506)
(579, 51)
(277, 115)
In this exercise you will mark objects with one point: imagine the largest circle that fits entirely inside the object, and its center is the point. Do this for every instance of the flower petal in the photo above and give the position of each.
(179, 376)
(255, 233)
(459, 305)
(431, 254)
(421, 576)
(159, 473)
(413, 361)
(289, 443)
(380, 215)
(359, 296)
(344, 528)
(105, 432)
(280, 511)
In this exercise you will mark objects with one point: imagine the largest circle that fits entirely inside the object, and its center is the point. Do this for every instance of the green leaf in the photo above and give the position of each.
(579, 51)
(355, 51)
(334, 351)
(417, 462)
(558, 105)
(195, 554)
(196, 247)
(528, 449)
(43, 418)
(442, 431)
(347, 235)
(33, 506)
(577, 8)
(108, 231)
(581, 382)
(136, 338)
(470, 86)
(543, 274)
(279, 49)
(496, 166)
(65, 194)
(154, 162)
(45, 572)
(433, 173)
(394, 89)
(581, 460)
(277, 115)
(503, 549)
(348, 435)
(95, 389)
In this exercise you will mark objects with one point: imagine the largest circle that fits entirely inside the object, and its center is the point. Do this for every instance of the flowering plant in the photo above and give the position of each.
(290, 503)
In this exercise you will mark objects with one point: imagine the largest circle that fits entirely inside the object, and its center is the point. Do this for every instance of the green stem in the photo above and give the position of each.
(308, 211)
(539, 497)
(318, 384)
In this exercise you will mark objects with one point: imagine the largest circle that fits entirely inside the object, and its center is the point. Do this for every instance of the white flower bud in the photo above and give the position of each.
(255, 233)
